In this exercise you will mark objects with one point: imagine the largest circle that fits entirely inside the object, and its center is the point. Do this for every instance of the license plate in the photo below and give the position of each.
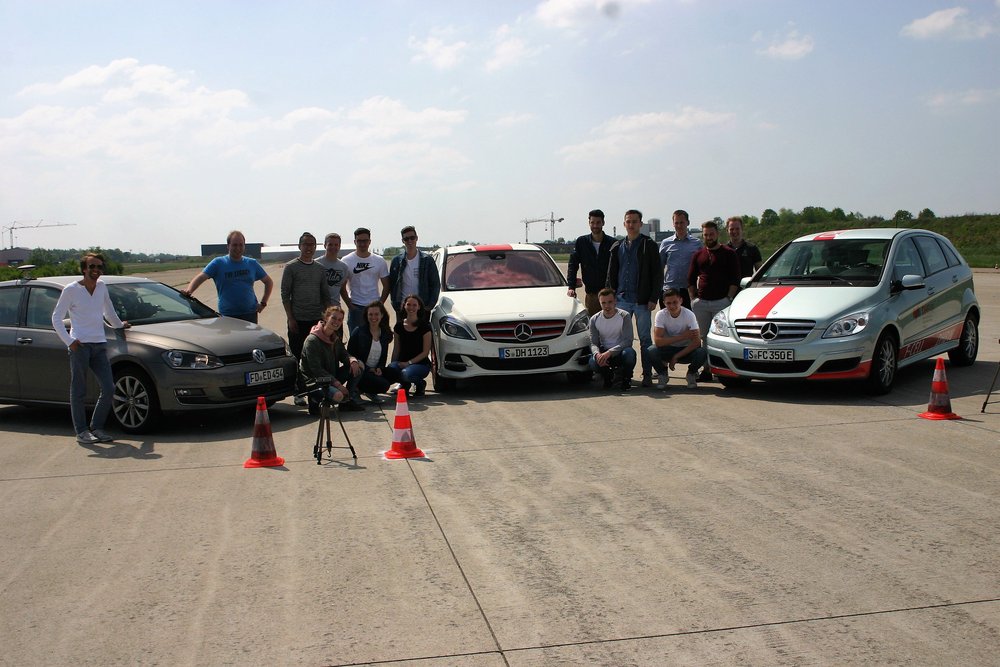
(758, 354)
(524, 352)
(265, 376)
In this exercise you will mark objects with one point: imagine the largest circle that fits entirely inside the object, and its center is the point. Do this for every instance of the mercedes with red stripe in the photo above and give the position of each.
(504, 311)
(849, 305)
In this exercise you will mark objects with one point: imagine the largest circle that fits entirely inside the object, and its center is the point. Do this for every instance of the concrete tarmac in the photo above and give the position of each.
(549, 524)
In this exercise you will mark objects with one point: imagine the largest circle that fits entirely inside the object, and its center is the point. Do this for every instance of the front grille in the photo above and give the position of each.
(239, 391)
(247, 357)
(788, 331)
(505, 332)
(529, 364)
(774, 367)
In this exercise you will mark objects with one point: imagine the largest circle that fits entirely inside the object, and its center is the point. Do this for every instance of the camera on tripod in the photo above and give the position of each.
(322, 402)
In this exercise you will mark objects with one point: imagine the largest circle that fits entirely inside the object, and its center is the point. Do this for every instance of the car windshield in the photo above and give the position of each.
(148, 303)
(500, 270)
(827, 261)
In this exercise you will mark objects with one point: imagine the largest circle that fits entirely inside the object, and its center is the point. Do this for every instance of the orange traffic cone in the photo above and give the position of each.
(404, 445)
(263, 454)
(939, 406)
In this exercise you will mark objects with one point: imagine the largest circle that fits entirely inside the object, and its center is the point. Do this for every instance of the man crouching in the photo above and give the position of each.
(611, 341)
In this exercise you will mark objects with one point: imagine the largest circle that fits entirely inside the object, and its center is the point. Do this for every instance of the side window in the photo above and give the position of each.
(950, 254)
(907, 261)
(10, 299)
(41, 303)
(932, 254)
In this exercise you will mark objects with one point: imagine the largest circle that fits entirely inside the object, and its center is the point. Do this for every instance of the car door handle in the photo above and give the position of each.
(24, 341)
(930, 290)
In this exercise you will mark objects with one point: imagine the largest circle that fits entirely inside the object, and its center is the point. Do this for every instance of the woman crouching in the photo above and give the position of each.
(325, 357)
(369, 344)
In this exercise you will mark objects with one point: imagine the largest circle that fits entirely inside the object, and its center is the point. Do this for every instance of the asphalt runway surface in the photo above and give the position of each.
(548, 524)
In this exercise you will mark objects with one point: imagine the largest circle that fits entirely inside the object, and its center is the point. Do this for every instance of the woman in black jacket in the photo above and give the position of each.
(369, 344)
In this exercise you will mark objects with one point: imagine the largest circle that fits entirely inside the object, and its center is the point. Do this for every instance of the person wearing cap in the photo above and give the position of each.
(304, 293)
(234, 276)
(590, 256)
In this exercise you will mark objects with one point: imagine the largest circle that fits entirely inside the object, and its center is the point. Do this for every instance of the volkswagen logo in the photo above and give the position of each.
(769, 331)
(522, 332)
(258, 356)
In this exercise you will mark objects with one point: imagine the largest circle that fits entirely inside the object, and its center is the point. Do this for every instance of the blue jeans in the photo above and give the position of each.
(644, 330)
(355, 317)
(411, 374)
(626, 360)
(95, 357)
(660, 357)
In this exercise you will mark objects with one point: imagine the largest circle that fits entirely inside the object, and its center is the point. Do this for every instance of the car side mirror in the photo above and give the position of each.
(908, 282)
(745, 282)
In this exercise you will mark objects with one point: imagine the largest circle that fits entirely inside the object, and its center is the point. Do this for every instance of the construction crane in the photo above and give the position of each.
(551, 220)
(34, 224)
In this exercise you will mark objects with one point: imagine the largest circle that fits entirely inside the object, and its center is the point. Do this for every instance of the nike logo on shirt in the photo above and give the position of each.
(360, 268)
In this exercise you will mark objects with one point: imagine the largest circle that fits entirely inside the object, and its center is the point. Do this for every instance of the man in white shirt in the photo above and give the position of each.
(365, 273)
(611, 341)
(87, 303)
(676, 339)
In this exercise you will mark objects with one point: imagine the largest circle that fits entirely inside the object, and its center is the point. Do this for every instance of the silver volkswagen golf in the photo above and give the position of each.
(179, 355)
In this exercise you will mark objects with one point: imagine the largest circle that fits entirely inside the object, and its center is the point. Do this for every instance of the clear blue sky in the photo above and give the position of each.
(156, 126)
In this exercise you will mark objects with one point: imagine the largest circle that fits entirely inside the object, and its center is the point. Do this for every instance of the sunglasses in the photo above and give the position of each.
(409, 238)
(96, 266)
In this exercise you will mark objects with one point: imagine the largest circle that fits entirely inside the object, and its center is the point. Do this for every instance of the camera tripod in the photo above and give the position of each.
(326, 406)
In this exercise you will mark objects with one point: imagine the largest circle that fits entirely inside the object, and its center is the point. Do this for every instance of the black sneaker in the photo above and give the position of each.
(647, 381)
(626, 384)
(421, 388)
(706, 376)
(608, 377)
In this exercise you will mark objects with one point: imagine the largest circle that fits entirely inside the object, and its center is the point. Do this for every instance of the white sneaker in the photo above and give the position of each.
(692, 380)
(102, 435)
(301, 401)
(661, 381)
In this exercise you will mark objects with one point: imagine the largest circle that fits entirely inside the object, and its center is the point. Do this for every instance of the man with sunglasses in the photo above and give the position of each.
(413, 272)
(87, 303)
(365, 273)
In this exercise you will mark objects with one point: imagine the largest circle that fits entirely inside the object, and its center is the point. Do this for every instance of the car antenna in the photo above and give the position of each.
(26, 270)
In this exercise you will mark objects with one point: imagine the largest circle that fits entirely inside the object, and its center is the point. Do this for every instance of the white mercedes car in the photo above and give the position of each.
(855, 304)
(503, 310)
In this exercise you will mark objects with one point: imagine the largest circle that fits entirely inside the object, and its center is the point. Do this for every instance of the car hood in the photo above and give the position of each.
(220, 336)
(800, 302)
(500, 304)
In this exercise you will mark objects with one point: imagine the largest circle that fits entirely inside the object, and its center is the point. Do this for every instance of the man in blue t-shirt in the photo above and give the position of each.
(234, 276)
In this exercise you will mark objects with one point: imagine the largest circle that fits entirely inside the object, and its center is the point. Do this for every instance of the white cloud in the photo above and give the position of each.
(965, 98)
(572, 14)
(643, 133)
(512, 119)
(509, 50)
(791, 46)
(949, 24)
(150, 118)
(439, 54)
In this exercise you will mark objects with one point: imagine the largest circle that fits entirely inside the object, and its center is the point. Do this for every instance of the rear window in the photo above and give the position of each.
(500, 270)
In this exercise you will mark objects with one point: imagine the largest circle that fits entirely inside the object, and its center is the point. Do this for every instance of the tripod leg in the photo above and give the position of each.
(318, 447)
(329, 440)
(347, 437)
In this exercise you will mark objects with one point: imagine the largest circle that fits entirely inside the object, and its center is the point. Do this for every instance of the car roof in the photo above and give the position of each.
(874, 233)
(62, 281)
(494, 247)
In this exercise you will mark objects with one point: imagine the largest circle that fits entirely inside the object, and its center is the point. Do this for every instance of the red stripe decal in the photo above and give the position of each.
(769, 301)
(492, 248)
(828, 236)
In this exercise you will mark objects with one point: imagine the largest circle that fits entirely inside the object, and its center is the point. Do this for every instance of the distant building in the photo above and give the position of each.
(14, 256)
(214, 249)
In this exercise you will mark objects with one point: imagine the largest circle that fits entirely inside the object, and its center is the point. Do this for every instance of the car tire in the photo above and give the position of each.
(135, 405)
(579, 377)
(733, 382)
(968, 344)
(885, 359)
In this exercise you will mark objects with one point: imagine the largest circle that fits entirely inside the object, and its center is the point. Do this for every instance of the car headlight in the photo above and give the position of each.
(847, 326)
(191, 360)
(454, 328)
(720, 324)
(580, 323)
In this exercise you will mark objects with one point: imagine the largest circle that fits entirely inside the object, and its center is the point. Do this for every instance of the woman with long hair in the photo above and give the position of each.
(369, 344)
(411, 345)
(324, 357)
